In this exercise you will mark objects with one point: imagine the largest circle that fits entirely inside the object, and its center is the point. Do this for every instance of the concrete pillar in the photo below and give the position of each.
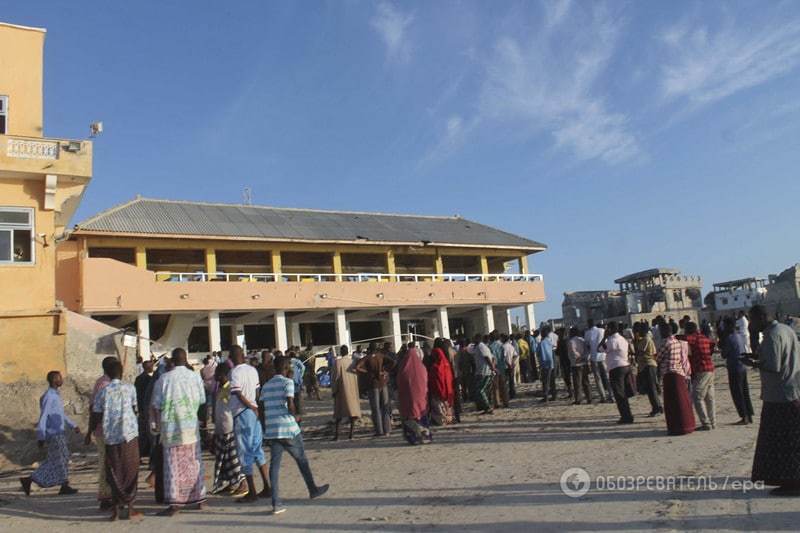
(141, 257)
(432, 327)
(143, 330)
(444, 322)
(337, 265)
(281, 342)
(397, 333)
(214, 336)
(237, 336)
(488, 319)
(530, 316)
(342, 329)
(276, 264)
(295, 338)
(523, 264)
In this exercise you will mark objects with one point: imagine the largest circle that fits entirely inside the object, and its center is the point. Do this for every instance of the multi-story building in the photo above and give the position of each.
(41, 182)
(641, 296)
(738, 294)
(206, 276)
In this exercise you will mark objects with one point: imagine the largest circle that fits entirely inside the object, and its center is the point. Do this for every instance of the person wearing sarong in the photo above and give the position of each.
(344, 387)
(732, 347)
(116, 405)
(412, 392)
(777, 456)
(673, 363)
(177, 397)
(228, 473)
(50, 430)
(103, 488)
(246, 424)
(440, 385)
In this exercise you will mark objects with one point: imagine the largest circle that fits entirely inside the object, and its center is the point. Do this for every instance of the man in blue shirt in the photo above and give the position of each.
(282, 432)
(544, 351)
(50, 429)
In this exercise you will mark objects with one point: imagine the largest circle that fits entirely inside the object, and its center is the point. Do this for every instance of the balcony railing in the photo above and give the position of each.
(354, 278)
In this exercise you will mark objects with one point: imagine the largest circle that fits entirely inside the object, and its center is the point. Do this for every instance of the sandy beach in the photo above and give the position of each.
(497, 471)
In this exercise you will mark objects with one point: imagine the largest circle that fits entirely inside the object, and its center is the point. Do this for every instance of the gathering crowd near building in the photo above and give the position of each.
(410, 312)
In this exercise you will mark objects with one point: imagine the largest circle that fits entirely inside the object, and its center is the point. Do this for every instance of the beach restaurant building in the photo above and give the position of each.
(205, 276)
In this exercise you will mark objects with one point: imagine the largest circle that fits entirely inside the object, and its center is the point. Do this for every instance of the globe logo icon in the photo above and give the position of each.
(575, 482)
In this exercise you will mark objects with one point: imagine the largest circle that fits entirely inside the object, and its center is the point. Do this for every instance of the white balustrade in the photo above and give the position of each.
(361, 277)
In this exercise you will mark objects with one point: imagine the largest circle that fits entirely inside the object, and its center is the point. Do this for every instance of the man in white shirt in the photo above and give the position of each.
(743, 329)
(617, 360)
(597, 359)
(511, 355)
(246, 425)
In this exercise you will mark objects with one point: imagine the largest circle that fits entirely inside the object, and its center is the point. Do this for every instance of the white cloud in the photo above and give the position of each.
(550, 84)
(706, 65)
(454, 133)
(392, 25)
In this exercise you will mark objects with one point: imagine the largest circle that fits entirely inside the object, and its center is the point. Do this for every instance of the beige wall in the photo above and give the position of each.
(21, 52)
(29, 288)
(30, 346)
(112, 287)
(68, 275)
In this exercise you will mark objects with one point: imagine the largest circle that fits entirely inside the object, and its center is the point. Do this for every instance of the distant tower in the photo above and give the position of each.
(247, 196)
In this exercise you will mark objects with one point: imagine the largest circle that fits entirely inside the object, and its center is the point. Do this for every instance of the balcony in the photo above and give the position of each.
(269, 277)
(110, 286)
(34, 155)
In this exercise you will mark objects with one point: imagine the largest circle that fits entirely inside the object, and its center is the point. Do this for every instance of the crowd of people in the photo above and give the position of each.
(253, 402)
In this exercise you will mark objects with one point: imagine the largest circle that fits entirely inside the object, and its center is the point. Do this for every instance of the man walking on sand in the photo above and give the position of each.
(701, 351)
(115, 407)
(50, 430)
(103, 488)
(246, 426)
(177, 396)
(283, 433)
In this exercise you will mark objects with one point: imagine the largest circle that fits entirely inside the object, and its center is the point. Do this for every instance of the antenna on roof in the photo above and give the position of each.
(247, 196)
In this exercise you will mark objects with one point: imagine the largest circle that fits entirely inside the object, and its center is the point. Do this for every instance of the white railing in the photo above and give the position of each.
(361, 277)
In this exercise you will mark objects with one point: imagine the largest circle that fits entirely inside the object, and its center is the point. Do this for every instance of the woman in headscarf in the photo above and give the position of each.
(412, 391)
(673, 364)
(440, 385)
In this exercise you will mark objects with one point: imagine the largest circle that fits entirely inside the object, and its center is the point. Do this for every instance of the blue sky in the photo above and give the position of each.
(625, 135)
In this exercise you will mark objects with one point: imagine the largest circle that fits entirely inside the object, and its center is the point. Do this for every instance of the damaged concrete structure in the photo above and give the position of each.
(780, 293)
(641, 296)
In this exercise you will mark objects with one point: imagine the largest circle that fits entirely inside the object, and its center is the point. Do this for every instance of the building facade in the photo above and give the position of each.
(641, 296)
(42, 180)
(205, 276)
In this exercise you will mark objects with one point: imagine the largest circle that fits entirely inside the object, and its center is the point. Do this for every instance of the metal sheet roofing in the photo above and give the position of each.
(196, 219)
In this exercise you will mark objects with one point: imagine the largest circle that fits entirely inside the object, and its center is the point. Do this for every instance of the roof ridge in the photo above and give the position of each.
(106, 212)
(303, 209)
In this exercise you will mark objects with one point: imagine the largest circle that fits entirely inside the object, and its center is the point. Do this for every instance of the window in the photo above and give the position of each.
(16, 235)
(3, 115)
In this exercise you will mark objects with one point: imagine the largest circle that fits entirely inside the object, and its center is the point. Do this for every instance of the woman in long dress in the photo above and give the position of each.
(344, 387)
(440, 385)
(412, 391)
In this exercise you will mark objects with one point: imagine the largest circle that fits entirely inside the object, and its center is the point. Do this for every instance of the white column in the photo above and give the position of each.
(281, 342)
(530, 316)
(295, 338)
(432, 327)
(237, 336)
(143, 330)
(342, 331)
(397, 334)
(214, 336)
(444, 322)
(488, 318)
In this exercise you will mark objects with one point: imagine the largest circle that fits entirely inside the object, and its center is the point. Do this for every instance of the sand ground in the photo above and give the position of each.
(500, 471)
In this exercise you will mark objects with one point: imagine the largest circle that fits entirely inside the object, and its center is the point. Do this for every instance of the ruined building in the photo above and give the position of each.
(641, 296)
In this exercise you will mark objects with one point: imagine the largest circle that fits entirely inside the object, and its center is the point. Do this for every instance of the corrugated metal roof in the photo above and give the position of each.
(166, 217)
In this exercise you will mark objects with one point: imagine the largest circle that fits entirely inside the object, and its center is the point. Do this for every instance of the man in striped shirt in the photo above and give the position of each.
(283, 433)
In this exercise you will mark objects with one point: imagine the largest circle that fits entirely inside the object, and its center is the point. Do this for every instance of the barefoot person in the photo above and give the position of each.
(50, 430)
(177, 396)
(283, 433)
(344, 387)
(246, 425)
(114, 409)
(777, 457)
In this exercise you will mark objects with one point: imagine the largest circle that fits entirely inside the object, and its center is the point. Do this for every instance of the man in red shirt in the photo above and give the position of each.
(701, 350)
